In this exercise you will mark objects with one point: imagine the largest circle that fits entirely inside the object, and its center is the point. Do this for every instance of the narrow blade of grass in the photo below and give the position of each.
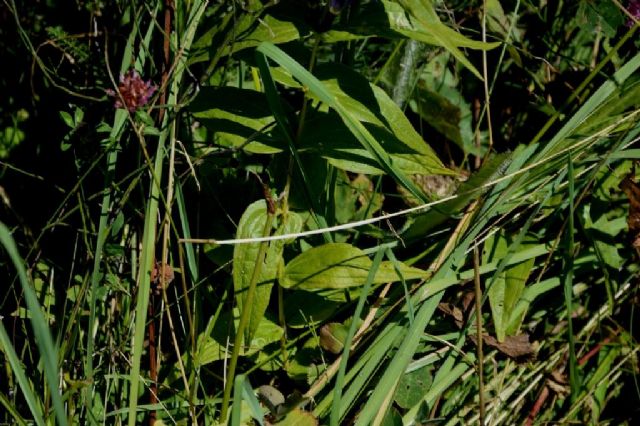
(41, 331)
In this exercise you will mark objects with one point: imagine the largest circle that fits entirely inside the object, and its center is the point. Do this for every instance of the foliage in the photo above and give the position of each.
(320, 212)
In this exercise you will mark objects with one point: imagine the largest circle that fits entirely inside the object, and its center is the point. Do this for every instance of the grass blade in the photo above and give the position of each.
(568, 286)
(41, 331)
(34, 403)
(337, 392)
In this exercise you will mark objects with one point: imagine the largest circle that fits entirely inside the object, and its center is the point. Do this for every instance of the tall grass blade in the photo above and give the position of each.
(41, 331)
(149, 234)
(568, 286)
(337, 392)
(34, 403)
(119, 123)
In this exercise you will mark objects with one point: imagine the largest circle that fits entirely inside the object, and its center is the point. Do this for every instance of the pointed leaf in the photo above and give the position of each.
(339, 265)
(251, 225)
(234, 116)
(506, 290)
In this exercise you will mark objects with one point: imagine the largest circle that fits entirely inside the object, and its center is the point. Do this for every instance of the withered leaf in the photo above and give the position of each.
(517, 347)
(451, 310)
(332, 337)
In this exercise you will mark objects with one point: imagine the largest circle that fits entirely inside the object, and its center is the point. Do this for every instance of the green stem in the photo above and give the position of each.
(244, 318)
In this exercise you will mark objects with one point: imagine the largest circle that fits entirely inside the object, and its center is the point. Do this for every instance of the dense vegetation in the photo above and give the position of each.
(319, 212)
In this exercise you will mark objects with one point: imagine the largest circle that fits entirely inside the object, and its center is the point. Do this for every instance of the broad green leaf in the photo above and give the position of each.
(602, 233)
(252, 225)
(267, 28)
(235, 116)
(359, 130)
(327, 134)
(413, 386)
(506, 289)
(601, 15)
(438, 101)
(250, 30)
(306, 308)
(217, 345)
(339, 265)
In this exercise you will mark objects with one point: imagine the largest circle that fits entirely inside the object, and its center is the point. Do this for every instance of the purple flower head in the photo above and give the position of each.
(133, 90)
(634, 9)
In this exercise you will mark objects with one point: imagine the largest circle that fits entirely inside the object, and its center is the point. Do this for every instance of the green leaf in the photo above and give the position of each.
(252, 225)
(235, 116)
(423, 24)
(307, 309)
(413, 386)
(253, 32)
(327, 134)
(439, 102)
(507, 288)
(366, 139)
(68, 120)
(389, 19)
(213, 344)
(339, 265)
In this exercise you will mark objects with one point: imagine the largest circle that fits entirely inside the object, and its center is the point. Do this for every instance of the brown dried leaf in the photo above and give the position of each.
(166, 277)
(558, 383)
(517, 347)
(453, 311)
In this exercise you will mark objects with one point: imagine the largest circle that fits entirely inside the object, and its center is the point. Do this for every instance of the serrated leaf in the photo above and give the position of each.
(339, 265)
(252, 225)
